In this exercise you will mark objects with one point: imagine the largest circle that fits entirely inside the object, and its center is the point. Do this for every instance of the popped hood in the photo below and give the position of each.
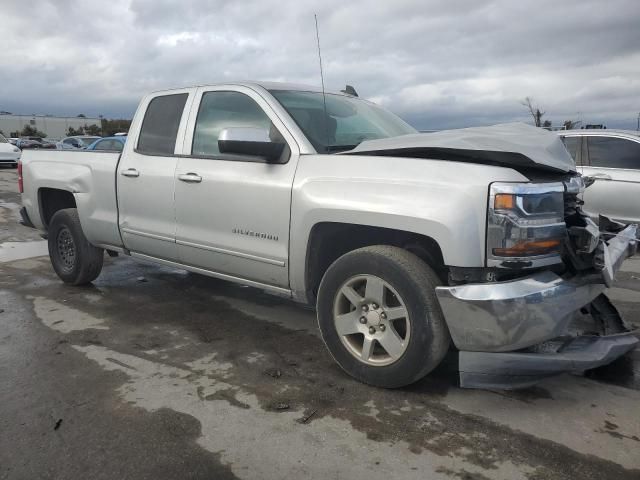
(516, 145)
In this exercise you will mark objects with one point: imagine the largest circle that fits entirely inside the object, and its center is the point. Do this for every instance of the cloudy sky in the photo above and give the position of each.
(438, 64)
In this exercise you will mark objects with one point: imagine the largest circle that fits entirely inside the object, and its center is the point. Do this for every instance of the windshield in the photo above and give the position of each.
(348, 120)
(2, 139)
(89, 140)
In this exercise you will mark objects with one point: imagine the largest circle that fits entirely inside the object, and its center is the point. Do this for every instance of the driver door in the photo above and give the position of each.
(233, 211)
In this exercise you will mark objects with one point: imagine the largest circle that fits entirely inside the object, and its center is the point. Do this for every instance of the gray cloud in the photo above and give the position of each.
(437, 64)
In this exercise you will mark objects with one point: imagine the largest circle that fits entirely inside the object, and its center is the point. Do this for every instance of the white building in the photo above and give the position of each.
(55, 127)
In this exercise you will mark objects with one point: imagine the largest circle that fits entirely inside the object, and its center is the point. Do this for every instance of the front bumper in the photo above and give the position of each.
(10, 158)
(522, 369)
(490, 318)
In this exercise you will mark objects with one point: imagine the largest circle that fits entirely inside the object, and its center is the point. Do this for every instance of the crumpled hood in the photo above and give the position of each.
(509, 144)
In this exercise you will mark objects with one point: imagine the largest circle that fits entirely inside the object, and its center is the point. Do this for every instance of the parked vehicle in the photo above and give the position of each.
(48, 144)
(9, 153)
(113, 144)
(612, 159)
(405, 242)
(24, 143)
(76, 142)
(13, 140)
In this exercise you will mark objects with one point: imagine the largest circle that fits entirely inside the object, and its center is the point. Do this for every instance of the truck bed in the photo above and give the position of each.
(88, 175)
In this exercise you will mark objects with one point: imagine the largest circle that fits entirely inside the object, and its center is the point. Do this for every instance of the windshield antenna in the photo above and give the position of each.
(324, 97)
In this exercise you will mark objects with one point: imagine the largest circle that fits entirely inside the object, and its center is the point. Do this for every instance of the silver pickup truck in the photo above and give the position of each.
(409, 245)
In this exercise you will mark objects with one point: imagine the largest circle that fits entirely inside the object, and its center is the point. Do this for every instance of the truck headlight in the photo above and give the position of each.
(525, 224)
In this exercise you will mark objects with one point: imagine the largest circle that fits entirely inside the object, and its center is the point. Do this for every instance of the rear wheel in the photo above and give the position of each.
(380, 318)
(73, 258)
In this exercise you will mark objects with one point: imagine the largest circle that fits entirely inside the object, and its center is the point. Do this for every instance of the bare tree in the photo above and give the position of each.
(534, 111)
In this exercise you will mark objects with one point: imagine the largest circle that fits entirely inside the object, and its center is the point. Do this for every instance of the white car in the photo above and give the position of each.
(9, 153)
(612, 159)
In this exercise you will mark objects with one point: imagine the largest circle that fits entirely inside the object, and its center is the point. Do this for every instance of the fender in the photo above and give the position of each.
(444, 200)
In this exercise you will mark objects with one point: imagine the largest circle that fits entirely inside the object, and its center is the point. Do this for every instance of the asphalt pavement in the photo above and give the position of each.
(156, 373)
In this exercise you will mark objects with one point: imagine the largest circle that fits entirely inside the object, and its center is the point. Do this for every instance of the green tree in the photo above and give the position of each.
(571, 124)
(29, 131)
(72, 132)
(92, 129)
(111, 127)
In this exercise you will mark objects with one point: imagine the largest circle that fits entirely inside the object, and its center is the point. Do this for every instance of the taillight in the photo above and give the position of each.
(20, 182)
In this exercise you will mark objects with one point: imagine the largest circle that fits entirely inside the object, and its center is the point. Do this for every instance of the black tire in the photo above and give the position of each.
(415, 282)
(73, 258)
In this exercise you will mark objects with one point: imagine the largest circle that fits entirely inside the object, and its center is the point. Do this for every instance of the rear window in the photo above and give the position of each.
(160, 125)
(612, 152)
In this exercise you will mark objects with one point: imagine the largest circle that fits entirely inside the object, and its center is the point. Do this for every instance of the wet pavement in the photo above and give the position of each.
(157, 373)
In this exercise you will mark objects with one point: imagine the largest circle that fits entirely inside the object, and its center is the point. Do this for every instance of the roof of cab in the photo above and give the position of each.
(264, 85)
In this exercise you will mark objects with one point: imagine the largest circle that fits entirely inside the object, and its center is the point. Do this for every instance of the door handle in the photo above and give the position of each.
(130, 172)
(601, 176)
(190, 177)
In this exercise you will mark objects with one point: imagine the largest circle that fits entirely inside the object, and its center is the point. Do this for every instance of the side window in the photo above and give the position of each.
(68, 141)
(220, 110)
(160, 125)
(612, 152)
(572, 144)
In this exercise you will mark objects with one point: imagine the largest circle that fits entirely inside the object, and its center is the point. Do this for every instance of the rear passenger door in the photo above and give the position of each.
(146, 175)
(614, 162)
(233, 211)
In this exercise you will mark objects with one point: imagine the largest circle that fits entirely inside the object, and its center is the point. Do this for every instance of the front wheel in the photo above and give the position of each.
(73, 258)
(380, 318)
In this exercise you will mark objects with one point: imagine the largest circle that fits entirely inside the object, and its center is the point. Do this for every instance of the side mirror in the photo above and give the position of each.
(250, 141)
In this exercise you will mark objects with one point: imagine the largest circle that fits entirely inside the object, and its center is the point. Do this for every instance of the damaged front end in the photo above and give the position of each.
(597, 250)
(545, 312)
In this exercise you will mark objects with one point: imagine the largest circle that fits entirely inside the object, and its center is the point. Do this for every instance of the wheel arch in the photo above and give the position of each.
(330, 240)
(51, 200)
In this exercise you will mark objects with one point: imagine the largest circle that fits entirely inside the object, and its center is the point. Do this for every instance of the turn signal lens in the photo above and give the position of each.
(505, 201)
(525, 249)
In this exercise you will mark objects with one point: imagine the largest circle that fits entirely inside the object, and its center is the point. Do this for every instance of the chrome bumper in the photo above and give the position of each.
(520, 370)
(505, 316)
